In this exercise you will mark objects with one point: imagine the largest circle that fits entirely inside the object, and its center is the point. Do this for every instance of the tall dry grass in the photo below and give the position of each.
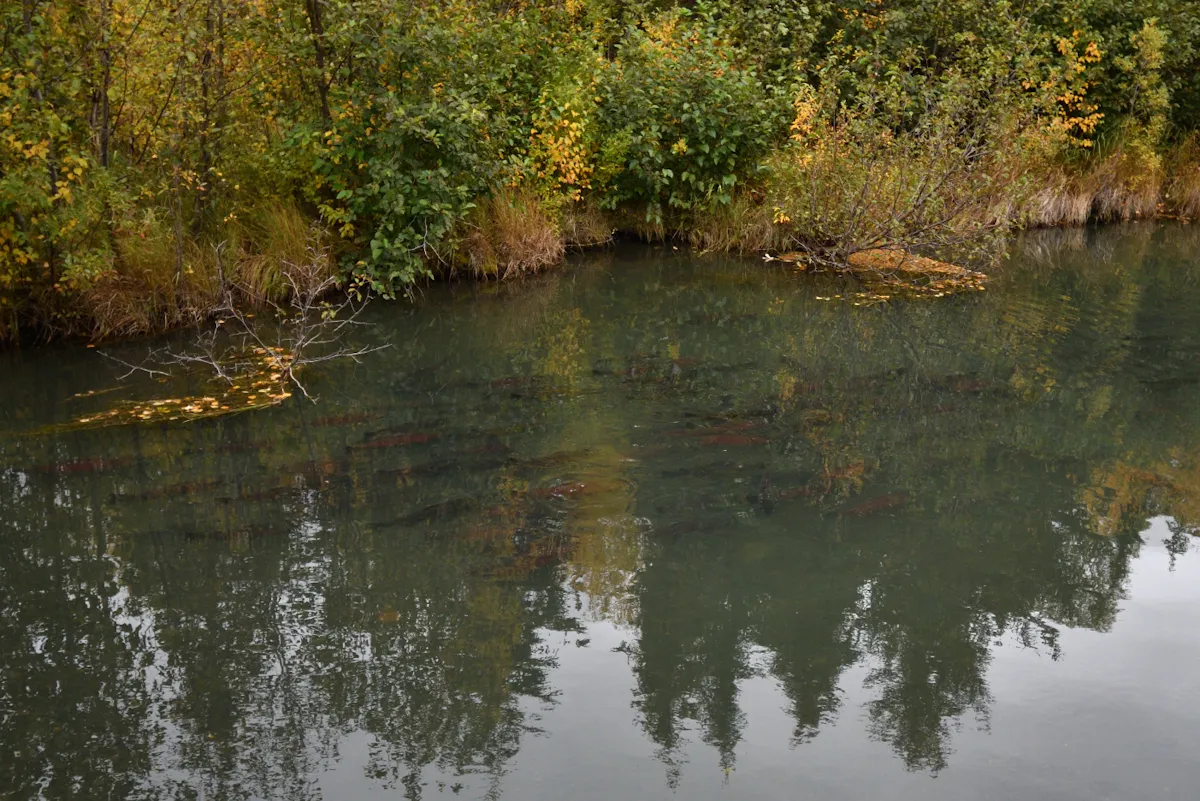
(1118, 187)
(745, 225)
(848, 184)
(1181, 195)
(511, 233)
(281, 235)
(149, 289)
(928, 195)
(145, 290)
(584, 225)
(1125, 183)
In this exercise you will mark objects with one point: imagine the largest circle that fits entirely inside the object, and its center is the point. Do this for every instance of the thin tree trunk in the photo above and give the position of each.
(52, 156)
(105, 124)
(316, 28)
(204, 190)
(179, 139)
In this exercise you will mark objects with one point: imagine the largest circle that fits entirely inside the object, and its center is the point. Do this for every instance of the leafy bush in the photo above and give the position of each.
(690, 118)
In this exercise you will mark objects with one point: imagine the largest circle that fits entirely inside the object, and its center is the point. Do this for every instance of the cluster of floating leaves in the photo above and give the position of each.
(883, 289)
(258, 382)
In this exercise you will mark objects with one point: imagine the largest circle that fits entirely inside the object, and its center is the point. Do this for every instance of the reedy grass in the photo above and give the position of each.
(145, 291)
(511, 233)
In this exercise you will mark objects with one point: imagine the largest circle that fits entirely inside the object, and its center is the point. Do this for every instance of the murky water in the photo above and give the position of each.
(655, 526)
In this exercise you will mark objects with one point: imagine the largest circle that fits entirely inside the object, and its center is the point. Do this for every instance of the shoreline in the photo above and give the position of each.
(629, 237)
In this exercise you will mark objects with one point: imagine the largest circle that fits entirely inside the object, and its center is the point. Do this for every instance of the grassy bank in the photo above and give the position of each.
(157, 159)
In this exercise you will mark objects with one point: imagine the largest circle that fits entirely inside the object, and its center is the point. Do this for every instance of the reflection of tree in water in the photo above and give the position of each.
(920, 693)
(748, 485)
(223, 640)
(430, 659)
(74, 708)
(994, 543)
(236, 658)
(691, 654)
(922, 616)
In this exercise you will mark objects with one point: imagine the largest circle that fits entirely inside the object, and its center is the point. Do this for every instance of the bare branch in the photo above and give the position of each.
(306, 330)
(152, 358)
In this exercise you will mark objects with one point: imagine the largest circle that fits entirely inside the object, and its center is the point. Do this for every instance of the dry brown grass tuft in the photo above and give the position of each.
(1130, 187)
(1181, 197)
(511, 233)
(1059, 202)
(146, 292)
(584, 225)
(281, 235)
(1126, 184)
(744, 226)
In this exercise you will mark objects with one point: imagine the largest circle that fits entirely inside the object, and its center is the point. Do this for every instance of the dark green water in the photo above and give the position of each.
(655, 526)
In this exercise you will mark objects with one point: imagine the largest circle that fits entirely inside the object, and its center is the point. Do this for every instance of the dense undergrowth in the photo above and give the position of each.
(156, 156)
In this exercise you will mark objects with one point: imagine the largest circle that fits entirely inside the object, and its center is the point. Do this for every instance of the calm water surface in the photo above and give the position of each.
(655, 526)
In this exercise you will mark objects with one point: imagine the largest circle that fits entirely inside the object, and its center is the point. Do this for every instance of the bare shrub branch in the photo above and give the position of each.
(305, 329)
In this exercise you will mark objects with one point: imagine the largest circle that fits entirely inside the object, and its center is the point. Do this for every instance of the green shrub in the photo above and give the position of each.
(689, 117)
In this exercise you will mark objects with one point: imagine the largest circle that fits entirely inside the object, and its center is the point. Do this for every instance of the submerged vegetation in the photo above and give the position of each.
(156, 156)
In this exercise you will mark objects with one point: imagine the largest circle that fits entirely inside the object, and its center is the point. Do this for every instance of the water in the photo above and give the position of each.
(655, 526)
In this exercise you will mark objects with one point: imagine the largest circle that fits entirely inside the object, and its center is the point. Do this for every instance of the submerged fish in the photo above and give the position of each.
(728, 427)
(172, 491)
(439, 511)
(396, 441)
(733, 439)
(796, 492)
(707, 469)
(567, 489)
(99, 464)
(492, 445)
(680, 528)
(252, 531)
(269, 494)
(443, 467)
(234, 447)
(344, 419)
(966, 384)
(876, 505)
(556, 459)
(574, 489)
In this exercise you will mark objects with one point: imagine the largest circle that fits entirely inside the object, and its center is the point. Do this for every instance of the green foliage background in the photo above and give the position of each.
(138, 136)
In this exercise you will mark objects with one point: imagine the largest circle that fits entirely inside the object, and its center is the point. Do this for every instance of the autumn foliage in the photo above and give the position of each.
(146, 147)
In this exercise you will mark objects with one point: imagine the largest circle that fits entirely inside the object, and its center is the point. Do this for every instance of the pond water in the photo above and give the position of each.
(657, 525)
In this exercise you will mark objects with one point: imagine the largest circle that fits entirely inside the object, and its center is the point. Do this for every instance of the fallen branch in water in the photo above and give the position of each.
(260, 360)
(897, 263)
(889, 273)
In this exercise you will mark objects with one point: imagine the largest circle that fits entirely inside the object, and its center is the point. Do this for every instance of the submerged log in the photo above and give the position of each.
(890, 261)
(882, 260)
